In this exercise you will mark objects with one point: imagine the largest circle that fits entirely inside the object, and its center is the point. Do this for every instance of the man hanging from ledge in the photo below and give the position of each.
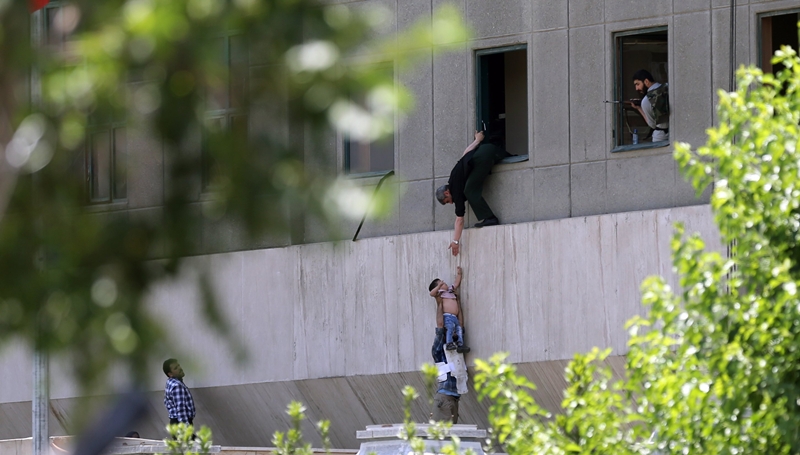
(466, 183)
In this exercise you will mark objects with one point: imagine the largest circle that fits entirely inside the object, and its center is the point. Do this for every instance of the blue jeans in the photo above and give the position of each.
(452, 326)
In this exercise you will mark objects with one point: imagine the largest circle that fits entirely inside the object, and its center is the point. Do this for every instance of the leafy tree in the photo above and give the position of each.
(74, 282)
(715, 366)
(183, 440)
(291, 442)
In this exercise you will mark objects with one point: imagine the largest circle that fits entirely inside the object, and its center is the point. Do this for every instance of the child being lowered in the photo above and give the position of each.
(447, 297)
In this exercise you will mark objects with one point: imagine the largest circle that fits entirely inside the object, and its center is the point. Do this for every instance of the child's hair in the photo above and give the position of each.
(434, 283)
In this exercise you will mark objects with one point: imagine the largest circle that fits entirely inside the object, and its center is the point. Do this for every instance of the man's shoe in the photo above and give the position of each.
(450, 346)
(493, 221)
(462, 349)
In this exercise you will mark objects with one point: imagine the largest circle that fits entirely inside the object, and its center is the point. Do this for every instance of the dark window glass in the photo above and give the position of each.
(226, 100)
(239, 125)
(120, 155)
(107, 163)
(100, 167)
(502, 95)
(776, 31)
(238, 71)
(218, 81)
(54, 35)
(362, 157)
(635, 51)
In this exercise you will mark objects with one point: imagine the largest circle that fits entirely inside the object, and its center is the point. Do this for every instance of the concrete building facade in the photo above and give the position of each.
(586, 215)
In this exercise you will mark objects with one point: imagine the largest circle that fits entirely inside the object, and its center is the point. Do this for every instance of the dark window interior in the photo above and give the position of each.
(646, 50)
(226, 105)
(106, 164)
(776, 31)
(502, 95)
(364, 157)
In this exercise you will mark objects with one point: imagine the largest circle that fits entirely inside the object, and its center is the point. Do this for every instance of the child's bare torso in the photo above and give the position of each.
(450, 306)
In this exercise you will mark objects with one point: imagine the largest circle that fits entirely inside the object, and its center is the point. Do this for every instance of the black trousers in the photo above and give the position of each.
(176, 421)
(482, 161)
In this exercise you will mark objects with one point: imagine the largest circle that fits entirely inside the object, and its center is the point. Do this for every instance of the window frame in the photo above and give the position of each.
(346, 142)
(618, 78)
(227, 113)
(760, 30)
(478, 53)
(111, 128)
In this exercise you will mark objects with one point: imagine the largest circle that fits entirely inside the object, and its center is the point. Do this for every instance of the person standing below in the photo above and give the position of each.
(177, 397)
(655, 104)
(466, 184)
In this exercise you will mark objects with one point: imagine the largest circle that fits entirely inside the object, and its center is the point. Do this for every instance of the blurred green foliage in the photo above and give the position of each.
(715, 366)
(291, 441)
(183, 440)
(74, 281)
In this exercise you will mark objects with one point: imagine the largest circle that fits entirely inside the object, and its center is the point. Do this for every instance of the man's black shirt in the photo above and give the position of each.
(458, 179)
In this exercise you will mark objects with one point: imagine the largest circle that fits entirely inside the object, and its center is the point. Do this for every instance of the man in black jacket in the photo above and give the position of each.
(466, 184)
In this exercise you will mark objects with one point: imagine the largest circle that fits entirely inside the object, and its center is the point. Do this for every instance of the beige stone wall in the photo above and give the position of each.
(343, 326)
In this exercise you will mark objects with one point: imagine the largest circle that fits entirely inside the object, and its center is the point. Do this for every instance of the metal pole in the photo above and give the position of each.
(41, 365)
(41, 403)
(380, 182)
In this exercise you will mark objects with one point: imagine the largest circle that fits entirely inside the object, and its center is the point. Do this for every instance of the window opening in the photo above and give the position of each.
(106, 163)
(370, 157)
(777, 29)
(226, 111)
(502, 95)
(639, 50)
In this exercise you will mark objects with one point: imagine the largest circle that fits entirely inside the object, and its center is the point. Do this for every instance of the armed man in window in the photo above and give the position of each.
(466, 182)
(655, 104)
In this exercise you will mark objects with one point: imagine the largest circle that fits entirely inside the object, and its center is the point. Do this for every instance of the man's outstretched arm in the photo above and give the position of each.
(457, 228)
(439, 313)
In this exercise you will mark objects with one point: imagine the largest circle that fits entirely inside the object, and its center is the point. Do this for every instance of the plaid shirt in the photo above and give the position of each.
(178, 400)
(449, 386)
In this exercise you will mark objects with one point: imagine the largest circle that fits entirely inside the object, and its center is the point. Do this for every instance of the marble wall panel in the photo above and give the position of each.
(414, 155)
(499, 17)
(585, 13)
(588, 192)
(551, 193)
(691, 95)
(551, 100)
(586, 63)
(688, 6)
(541, 291)
(549, 14)
(622, 10)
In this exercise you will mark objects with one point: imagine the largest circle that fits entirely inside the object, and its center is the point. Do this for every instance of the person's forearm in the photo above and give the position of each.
(458, 227)
(472, 146)
(439, 313)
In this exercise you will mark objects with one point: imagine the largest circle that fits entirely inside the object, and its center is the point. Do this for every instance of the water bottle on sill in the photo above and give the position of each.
(635, 136)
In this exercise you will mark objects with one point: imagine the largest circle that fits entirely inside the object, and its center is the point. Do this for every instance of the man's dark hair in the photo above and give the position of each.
(434, 283)
(167, 365)
(643, 75)
(439, 193)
